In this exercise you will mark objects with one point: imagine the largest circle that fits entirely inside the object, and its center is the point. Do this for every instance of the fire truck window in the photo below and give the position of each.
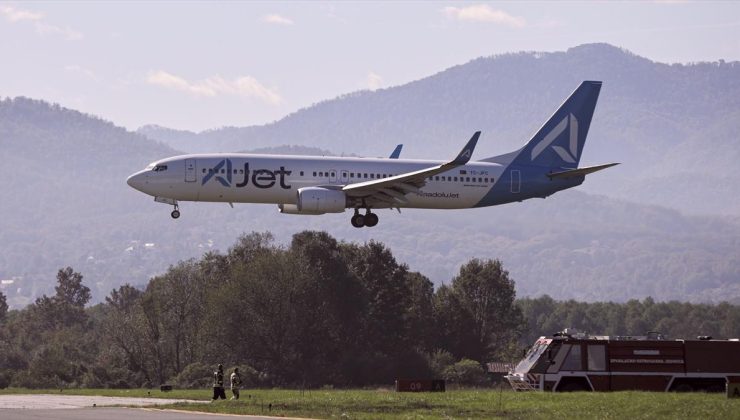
(596, 357)
(573, 360)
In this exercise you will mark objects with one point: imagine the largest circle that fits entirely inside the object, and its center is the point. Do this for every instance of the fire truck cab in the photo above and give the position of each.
(572, 361)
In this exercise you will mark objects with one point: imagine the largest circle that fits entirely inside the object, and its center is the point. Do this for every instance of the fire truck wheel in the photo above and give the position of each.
(716, 388)
(684, 387)
(573, 386)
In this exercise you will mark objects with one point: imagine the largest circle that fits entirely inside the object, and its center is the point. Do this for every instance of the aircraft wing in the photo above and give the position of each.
(393, 189)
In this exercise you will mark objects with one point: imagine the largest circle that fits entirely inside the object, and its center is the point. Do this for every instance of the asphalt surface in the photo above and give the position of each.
(73, 407)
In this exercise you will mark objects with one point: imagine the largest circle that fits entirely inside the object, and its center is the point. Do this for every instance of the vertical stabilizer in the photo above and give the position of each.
(559, 143)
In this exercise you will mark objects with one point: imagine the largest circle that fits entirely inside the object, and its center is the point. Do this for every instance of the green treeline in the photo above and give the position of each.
(312, 313)
(545, 316)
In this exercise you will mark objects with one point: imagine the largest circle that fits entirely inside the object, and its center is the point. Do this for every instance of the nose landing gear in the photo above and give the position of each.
(369, 219)
(176, 212)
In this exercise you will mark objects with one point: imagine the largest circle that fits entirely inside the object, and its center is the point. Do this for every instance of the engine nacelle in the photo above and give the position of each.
(293, 209)
(316, 200)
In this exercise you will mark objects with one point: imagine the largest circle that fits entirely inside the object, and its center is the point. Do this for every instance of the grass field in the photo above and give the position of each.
(457, 404)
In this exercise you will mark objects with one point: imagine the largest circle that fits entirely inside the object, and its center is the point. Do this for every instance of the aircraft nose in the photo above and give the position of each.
(136, 181)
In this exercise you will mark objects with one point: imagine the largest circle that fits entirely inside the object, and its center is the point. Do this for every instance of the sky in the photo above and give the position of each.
(203, 65)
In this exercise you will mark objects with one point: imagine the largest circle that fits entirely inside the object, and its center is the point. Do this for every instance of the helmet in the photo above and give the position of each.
(220, 366)
(236, 370)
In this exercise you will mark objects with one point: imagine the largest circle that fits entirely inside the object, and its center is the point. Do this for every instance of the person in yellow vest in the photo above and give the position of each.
(218, 383)
(236, 382)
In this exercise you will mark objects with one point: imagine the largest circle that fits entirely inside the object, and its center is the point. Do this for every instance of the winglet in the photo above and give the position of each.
(467, 151)
(396, 152)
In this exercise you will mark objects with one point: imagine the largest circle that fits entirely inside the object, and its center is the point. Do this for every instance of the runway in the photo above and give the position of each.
(73, 407)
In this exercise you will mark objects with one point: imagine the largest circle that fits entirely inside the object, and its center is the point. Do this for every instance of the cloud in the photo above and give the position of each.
(277, 19)
(374, 81)
(42, 27)
(73, 68)
(12, 14)
(484, 13)
(244, 86)
(67, 33)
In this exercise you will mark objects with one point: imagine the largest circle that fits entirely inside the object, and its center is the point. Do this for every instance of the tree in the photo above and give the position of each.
(3, 307)
(485, 293)
(70, 290)
(67, 307)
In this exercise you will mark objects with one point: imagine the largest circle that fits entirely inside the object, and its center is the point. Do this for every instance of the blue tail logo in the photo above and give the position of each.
(569, 156)
(226, 182)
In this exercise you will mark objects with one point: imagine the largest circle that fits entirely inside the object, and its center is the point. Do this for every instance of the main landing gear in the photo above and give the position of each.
(359, 220)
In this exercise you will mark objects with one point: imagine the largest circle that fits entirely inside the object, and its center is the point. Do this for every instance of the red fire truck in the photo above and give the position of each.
(571, 361)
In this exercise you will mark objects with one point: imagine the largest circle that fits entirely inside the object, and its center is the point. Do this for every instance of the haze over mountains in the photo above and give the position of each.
(672, 126)
(65, 201)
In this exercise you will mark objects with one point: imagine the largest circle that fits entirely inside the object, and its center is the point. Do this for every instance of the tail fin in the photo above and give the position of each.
(559, 143)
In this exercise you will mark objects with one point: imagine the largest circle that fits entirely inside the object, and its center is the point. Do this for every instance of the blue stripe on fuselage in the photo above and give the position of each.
(534, 183)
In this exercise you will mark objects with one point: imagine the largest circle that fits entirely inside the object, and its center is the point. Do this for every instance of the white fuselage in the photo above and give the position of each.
(246, 178)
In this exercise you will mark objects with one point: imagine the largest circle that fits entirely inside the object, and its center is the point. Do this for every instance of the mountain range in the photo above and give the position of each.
(665, 223)
(673, 127)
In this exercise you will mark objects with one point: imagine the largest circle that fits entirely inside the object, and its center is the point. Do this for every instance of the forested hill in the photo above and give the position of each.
(673, 126)
(65, 203)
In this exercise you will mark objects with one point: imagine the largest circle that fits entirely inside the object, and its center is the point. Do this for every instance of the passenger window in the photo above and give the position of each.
(321, 174)
(204, 170)
(301, 173)
(596, 357)
(314, 174)
(351, 174)
(223, 171)
(235, 172)
(333, 174)
(241, 171)
(573, 360)
(455, 179)
(467, 179)
(364, 175)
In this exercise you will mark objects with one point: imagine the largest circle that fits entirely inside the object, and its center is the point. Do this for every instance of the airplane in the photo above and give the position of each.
(314, 185)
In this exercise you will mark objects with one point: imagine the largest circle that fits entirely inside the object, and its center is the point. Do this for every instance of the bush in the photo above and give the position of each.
(439, 361)
(466, 372)
(5, 378)
(195, 375)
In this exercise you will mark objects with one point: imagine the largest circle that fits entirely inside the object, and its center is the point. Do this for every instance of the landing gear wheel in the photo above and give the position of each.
(175, 214)
(358, 220)
(371, 219)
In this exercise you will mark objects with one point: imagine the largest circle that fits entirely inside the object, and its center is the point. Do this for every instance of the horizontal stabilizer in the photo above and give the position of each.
(580, 171)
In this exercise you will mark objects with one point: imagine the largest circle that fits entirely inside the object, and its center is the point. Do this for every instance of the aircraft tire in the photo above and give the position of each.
(371, 219)
(175, 214)
(358, 220)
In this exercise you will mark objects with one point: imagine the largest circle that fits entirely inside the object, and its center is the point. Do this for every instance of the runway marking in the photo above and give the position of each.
(223, 414)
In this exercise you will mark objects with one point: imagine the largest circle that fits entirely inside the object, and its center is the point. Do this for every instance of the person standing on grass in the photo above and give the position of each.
(218, 383)
(236, 382)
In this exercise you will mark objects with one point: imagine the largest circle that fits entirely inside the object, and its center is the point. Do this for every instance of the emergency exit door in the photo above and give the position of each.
(189, 170)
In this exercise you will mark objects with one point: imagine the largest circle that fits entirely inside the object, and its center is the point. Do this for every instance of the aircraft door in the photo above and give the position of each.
(189, 170)
(516, 180)
(344, 177)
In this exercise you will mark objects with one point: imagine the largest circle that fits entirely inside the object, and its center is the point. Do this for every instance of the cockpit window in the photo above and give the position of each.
(160, 168)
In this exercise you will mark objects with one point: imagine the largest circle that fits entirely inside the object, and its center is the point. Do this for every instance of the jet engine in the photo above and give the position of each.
(316, 200)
